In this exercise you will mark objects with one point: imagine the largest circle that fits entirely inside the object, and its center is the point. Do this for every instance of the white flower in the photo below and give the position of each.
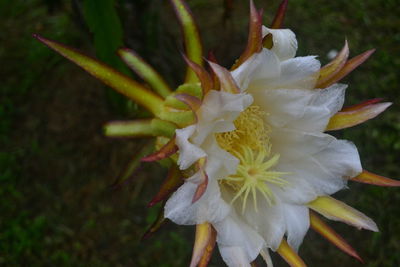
(267, 155)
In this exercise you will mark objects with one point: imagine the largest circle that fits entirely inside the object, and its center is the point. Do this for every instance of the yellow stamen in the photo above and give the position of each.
(250, 144)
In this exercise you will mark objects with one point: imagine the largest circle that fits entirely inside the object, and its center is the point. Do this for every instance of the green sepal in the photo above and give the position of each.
(163, 128)
(118, 81)
(136, 128)
(193, 89)
(193, 46)
(178, 117)
(144, 70)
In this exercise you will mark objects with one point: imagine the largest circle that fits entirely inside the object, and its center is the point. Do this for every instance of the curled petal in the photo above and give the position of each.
(167, 150)
(268, 41)
(202, 74)
(356, 115)
(280, 15)
(347, 68)
(144, 70)
(338, 211)
(172, 182)
(327, 232)
(254, 42)
(226, 80)
(204, 244)
(371, 178)
(289, 255)
(118, 81)
(332, 68)
(191, 35)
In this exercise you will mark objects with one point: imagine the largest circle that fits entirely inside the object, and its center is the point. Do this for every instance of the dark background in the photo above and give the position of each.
(56, 167)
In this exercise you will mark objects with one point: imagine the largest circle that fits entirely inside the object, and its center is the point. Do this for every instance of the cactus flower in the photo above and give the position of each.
(251, 164)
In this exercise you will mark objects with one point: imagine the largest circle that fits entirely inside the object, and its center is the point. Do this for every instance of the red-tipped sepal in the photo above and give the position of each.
(172, 182)
(328, 71)
(156, 225)
(356, 114)
(167, 150)
(204, 244)
(203, 180)
(374, 179)
(254, 42)
(289, 255)
(338, 211)
(318, 225)
(202, 74)
(280, 15)
(225, 78)
(347, 68)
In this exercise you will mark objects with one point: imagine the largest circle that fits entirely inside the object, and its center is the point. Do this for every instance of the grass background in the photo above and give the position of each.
(56, 167)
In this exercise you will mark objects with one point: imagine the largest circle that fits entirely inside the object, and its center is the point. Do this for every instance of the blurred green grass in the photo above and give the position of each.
(56, 206)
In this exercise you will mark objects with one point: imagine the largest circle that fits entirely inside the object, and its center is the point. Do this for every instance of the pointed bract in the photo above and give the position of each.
(202, 74)
(145, 71)
(212, 58)
(289, 255)
(374, 179)
(118, 81)
(160, 221)
(225, 78)
(347, 68)
(338, 211)
(133, 164)
(193, 102)
(201, 188)
(328, 71)
(203, 244)
(193, 47)
(172, 182)
(280, 15)
(362, 104)
(167, 150)
(327, 232)
(254, 42)
(356, 115)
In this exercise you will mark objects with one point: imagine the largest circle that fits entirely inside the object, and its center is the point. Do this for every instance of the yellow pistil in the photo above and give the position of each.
(250, 144)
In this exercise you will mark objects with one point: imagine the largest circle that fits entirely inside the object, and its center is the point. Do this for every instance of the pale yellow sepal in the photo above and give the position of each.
(338, 211)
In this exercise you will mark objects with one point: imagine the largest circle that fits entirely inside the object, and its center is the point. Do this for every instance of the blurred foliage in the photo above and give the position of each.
(57, 208)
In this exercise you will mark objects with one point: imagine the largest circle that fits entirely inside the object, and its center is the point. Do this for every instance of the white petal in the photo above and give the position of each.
(210, 207)
(234, 256)
(219, 162)
(297, 223)
(233, 234)
(300, 109)
(298, 73)
(294, 145)
(268, 220)
(188, 153)
(261, 66)
(284, 40)
(218, 111)
(323, 106)
(341, 159)
(322, 173)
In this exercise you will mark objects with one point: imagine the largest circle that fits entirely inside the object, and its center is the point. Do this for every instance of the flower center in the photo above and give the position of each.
(250, 144)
